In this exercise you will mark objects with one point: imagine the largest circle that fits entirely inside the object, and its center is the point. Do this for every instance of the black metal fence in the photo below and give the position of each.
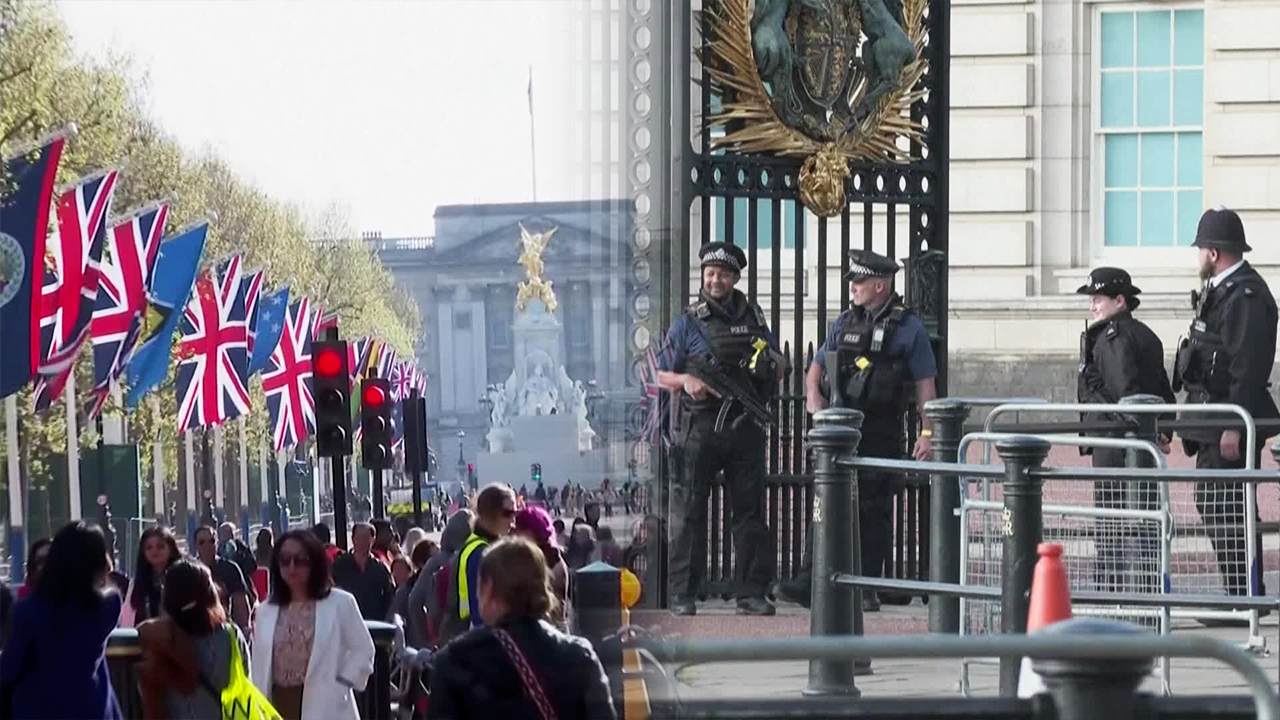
(753, 200)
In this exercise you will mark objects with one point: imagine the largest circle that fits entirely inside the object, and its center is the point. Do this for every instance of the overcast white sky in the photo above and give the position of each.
(388, 107)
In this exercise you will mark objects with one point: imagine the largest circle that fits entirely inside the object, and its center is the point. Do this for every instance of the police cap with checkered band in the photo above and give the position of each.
(723, 254)
(865, 265)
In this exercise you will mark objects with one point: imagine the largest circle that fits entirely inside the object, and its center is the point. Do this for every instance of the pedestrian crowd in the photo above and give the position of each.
(282, 626)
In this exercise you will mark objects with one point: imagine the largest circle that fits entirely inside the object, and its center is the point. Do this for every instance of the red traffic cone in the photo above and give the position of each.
(1050, 603)
(1050, 592)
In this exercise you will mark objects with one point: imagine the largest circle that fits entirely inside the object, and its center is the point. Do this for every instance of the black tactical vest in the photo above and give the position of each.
(730, 339)
(1202, 364)
(869, 379)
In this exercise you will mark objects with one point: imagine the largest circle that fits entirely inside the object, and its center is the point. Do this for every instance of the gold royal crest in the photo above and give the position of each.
(832, 81)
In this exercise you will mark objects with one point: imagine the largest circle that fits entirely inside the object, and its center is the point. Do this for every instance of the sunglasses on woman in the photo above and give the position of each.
(301, 561)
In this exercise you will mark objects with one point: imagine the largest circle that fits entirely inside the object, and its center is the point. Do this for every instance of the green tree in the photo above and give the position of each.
(45, 85)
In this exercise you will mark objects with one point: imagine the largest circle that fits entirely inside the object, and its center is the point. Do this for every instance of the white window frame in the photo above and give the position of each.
(1166, 256)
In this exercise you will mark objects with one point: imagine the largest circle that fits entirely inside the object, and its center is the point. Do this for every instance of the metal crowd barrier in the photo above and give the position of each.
(981, 614)
(123, 655)
(1143, 406)
(1087, 679)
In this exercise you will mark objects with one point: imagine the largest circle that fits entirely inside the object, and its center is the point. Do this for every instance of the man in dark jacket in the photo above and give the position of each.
(1120, 356)
(364, 576)
(1227, 358)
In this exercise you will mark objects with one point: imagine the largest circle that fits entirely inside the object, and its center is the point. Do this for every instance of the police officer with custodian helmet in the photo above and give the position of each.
(721, 324)
(876, 354)
(1227, 358)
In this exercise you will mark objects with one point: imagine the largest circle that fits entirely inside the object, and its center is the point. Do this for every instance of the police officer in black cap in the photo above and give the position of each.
(1227, 358)
(724, 324)
(1120, 356)
(876, 356)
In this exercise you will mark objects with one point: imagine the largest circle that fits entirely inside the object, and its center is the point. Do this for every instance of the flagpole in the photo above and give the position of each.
(189, 450)
(244, 479)
(315, 487)
(73, 448)
(17, 525)
(264, 483)
(219, 496)
(533, 155)
(282, 489)
(157, 467)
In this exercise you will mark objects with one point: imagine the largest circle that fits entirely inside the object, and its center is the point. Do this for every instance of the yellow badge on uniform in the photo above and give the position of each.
(862, 363)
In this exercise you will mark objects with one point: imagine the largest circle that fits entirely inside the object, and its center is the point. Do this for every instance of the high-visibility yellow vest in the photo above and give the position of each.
(464, 596)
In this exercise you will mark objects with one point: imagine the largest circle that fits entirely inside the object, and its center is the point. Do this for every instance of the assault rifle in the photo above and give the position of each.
(722, 383)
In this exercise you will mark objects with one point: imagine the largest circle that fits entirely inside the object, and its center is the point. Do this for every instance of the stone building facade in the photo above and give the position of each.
(1086, 134)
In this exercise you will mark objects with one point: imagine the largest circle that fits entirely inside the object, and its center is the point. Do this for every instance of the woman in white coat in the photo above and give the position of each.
(311, 650)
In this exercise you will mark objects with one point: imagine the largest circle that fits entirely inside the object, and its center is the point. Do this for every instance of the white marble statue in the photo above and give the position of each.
(498, 396)
(539, 395)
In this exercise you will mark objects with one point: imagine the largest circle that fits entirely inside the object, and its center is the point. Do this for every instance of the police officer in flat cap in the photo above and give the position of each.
(1227, 358)
(1120, 356)
(722, 323)
(876, 357)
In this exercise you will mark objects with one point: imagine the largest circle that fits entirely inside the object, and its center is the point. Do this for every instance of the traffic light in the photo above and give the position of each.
(375, 424)
(331, 383)
(536, 471)
(415, 436)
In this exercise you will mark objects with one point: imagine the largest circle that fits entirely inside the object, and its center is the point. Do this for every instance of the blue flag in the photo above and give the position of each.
(271, 317)
(24, 224)
(167, 296)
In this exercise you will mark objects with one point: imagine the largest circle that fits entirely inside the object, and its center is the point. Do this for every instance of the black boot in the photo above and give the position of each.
(684, 605)
(756, 606)
(793, 591)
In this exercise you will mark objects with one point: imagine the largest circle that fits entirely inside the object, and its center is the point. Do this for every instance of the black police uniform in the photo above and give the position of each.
(727, 330)
(1120, 356)
(877, 355)
(1227, 358)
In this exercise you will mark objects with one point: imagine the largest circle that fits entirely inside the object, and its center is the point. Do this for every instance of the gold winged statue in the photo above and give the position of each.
(534, 286)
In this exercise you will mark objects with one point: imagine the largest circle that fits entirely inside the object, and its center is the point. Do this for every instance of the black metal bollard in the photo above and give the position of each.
(836, 609)
(1093, 689)
(1022, 527)
(597, 601)
(948, 418)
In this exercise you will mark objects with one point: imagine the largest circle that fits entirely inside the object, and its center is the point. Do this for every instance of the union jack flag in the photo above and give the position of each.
(252, 289)
(122, 297)
(401, 378)
(214, 366)
(386, 361)
(71, 279)
(324, 321)
(358, 357)
(287, 380)
(655, 429)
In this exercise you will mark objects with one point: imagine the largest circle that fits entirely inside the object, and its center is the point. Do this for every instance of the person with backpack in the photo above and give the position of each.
(187, 653)
(424, 605)
(495, 514)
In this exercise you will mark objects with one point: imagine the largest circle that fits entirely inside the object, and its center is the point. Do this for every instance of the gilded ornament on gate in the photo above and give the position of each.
(832, 81)
(534, 286)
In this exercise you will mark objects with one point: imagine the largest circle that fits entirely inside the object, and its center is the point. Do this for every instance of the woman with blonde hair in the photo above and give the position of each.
(517, 665)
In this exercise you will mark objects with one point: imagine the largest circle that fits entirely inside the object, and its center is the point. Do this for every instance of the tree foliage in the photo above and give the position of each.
(45, 84)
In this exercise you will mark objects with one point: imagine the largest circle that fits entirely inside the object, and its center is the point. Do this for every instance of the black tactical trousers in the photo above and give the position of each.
(699, 454)
(875, 510)
(1221, 507)
(1128, 551)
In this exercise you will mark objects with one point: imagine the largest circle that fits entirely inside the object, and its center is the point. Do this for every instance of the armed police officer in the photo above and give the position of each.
(1227, 358)
(876, 356)
(1120, 356)
(723, 362)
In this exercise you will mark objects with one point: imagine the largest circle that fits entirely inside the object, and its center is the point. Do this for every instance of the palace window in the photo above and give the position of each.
(1148, 118)
(764, 222)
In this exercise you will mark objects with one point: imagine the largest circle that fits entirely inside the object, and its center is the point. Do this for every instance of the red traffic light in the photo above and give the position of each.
(374, 396)
(328, 363)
